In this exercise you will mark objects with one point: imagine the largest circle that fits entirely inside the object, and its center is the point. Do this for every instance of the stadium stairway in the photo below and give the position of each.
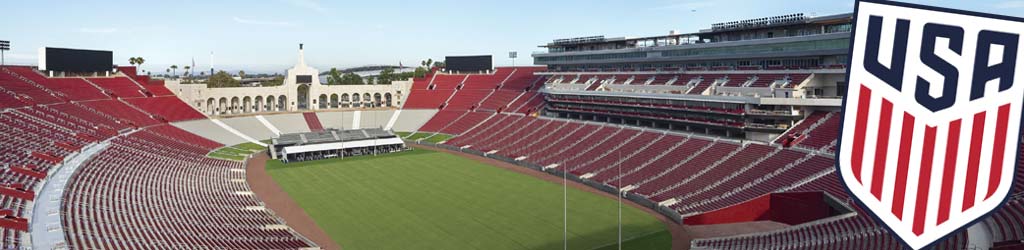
(312, 121)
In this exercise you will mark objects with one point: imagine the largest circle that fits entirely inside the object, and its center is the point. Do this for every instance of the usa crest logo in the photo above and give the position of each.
(931, 118)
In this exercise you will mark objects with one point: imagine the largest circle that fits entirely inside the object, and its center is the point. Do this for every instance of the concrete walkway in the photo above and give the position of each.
(46, 229)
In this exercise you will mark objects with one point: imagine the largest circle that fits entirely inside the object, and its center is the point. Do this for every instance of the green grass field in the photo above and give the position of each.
(424, 199)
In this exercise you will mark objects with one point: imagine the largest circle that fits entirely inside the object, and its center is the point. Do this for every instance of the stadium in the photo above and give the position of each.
(722, 138)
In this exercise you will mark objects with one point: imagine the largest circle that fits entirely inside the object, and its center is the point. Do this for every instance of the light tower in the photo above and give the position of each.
(4, 46)
(513, 55)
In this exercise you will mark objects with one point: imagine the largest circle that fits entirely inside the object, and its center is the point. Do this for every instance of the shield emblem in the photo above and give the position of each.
(932, 117)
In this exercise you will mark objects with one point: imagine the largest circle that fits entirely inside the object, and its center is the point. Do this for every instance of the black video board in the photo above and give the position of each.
(77, 60)
(468, 63)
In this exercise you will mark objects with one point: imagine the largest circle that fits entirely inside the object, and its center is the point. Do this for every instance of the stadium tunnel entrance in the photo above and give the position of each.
(303, 96)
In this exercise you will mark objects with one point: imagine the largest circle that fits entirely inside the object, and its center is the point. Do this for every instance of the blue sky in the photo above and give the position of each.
(262, 35)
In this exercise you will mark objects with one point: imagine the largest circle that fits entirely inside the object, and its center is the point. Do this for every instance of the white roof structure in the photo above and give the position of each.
(340, 145)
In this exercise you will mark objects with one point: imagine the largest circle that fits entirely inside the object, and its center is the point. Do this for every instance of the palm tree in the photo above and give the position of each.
(168, 70)
(186, 69)
(140, 61)
(241, 74)
(175, 68)
(132, 61)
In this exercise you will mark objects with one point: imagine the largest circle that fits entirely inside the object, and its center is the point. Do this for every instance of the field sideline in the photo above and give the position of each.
(424, 199)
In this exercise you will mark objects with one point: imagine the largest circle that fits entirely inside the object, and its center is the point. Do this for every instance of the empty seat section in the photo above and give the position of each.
(701, 86)
(824, 135)
(644, 162)
(487, 81)
(168, 107)
(801, 127)
(682, 170)
(422, 83)
(796, 79)
(16, 80)
(120, 86)
(571, 147)
(441, 120)
(527, 136)
(445, 81)
(523, 79)
(736, 80)
(662, 79)
(184, 136)
(484, 130)
(516, 130)
(499, 100)
(713, 171)
(157, 88)
(607, 148)
(544, 138)
(528, 103)
(91, 115)
(118, 109)
(74, 88)
(765, 80)
(465, 122)
(742, 183)
(427, 99)
(630, 143)
(467, 99)
(9, 100)
(168, 186)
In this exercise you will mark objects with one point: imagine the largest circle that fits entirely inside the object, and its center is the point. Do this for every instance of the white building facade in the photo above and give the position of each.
(302, 90)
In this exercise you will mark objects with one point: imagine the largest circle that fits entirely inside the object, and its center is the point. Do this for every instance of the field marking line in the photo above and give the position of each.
(268, 125)
(394, 118)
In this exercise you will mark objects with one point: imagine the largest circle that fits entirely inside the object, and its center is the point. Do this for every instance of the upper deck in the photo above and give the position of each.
(795, 35)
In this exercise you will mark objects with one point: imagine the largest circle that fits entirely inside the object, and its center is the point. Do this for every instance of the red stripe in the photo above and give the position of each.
(881, 149)
(902, 165)
(863, 106)
(996, 174)
(946, 196)
(973, 160)
(924, 180)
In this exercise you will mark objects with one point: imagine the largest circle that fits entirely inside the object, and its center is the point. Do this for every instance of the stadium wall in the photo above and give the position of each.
(788, 208)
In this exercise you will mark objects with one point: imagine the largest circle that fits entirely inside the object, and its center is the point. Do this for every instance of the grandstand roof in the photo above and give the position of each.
(331, 135)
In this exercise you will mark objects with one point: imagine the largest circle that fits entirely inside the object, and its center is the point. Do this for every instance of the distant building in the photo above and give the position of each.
(303, 89)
